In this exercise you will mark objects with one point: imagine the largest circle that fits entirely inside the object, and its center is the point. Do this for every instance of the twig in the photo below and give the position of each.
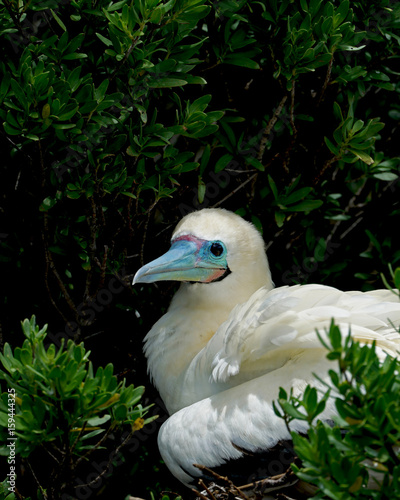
(48, 257)
(113, 455)
(284, 497)
(91, 450)
(359, 215)
(286, 156)
(103, 267)
(18, 494)
(203, 485)
(52, 266)
(43, 492)
(92, 223)
(51, 454)
(325, 166)
(272, 483)
(235, 190)
(199, 494)
(78, 437)
(326, 82)
(16, 21)
(268, 128)
(292, 95)
(223, 478)
(125, 58)
(146, 225)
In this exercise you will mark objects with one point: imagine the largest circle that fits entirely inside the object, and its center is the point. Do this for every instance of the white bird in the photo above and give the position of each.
(229, 341)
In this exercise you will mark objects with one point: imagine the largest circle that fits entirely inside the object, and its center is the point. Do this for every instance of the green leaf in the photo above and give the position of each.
(273, 187)
(167, 82)
(341, 12)
(357, 126)
(59, 22)
(68, 114)
(386, 176)
(362, 156)
(292, 411)
(332, 148)
(74, 56)
(10, 130)
(396, 278)
(99, 93)
(47, 204)
(255, 163)
(121, 412)
(105, 40)
(297, 195)
(92, 434)
(237, 60)
(201, 191)
(223, 162)
(279, 218)
(305, 206)
(18, 91)
(199, 105)
(205, 158)
(96, 421)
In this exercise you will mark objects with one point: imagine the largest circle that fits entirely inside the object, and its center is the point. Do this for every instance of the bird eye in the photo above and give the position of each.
(217, 249)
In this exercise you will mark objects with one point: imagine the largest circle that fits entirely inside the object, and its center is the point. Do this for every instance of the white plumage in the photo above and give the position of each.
(229, 341)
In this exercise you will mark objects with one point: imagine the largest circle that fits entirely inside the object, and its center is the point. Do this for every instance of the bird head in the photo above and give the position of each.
(209, 246)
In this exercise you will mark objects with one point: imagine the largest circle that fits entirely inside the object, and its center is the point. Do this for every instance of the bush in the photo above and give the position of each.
(357, 457)
(117, 112)
(58, 403)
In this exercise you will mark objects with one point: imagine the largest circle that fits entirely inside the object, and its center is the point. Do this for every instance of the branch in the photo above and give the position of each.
(292, 95)
(235, 190)
(92, 223)
(324, 168)
(112, 457)
(91, 450)
(16, 21)
(146, 225)
(78, 437)
(127, 54)
(43, 492)
(288, 478)
(286, 156)
(48, 256)
(203, 497)
(326, 82)
(268, 128)
(224, 479)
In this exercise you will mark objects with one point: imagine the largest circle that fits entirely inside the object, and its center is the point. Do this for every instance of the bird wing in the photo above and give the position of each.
(286, 319)
(239, 420)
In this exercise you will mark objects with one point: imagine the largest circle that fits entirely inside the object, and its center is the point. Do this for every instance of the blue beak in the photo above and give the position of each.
(184, 261)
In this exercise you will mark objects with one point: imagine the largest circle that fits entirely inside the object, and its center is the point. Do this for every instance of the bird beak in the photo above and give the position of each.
(182, 262)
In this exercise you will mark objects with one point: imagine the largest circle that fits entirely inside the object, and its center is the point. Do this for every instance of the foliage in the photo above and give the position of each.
(116, 108)
(61, 404)
(358, 456)
(395, 277)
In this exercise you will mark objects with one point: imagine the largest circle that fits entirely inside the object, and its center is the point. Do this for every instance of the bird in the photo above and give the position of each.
(230, 339)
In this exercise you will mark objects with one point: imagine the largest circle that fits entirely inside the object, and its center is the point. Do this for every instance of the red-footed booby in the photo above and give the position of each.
(229, 341)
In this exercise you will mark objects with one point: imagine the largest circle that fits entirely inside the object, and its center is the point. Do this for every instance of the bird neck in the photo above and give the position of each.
(195, 314)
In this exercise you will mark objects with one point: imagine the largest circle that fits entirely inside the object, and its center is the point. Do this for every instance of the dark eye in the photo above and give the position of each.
(217, 249)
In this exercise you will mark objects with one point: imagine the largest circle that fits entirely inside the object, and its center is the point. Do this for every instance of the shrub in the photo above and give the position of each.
(357, 457)
(119, 111)
(58, 403)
